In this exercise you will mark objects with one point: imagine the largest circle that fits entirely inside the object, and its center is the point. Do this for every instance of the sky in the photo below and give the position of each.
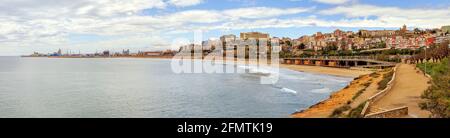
(88, 26)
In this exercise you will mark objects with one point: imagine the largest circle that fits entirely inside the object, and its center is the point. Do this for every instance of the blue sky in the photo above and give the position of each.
(95, 25)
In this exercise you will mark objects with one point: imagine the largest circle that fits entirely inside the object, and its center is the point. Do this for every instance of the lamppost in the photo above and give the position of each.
(425, 60)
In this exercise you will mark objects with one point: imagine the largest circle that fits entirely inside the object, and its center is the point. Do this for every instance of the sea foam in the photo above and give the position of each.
(288, 90)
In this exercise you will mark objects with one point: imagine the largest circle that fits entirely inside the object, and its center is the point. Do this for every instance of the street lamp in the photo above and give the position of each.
(425, 60)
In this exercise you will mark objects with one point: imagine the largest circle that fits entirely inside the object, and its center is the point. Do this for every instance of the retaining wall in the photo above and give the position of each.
(393, 113)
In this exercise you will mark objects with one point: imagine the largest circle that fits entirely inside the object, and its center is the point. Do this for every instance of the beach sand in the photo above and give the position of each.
(327, 70)
(336, 100)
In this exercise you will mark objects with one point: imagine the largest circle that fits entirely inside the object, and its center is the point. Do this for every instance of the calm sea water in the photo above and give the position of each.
(43, 87)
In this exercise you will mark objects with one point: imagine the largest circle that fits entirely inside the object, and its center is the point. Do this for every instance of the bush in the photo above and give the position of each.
(374, 75)
(338, 111)
(427, 66)
(356, 112)
(434, 69)
(359, 93)
(367, 84)
(386, 79)
(438, 95)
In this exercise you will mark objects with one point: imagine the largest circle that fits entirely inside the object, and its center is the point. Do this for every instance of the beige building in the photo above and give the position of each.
(254, 35)
(377, 33)
(228, 38)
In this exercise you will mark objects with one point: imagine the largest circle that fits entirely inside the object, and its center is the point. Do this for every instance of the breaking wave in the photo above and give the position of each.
(255, 69)
(288, 90)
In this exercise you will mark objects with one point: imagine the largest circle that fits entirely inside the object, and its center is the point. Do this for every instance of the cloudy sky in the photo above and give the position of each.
(96, 25)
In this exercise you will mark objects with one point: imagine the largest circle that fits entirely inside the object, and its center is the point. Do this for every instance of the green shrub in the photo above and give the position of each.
(367, 84)
(338, 111)
(359, 93)
(374, 75)
(386, 79)
(438, 95)
(356, 112)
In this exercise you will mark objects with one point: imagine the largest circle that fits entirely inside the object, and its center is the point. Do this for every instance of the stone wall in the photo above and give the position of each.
(393, 113)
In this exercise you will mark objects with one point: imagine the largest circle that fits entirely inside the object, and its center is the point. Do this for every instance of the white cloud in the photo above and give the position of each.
(262, 12)
(394, 16)
(28, 24)
(194, 16)
(333, 1)
(59, 8)
(371, 10)
(185, 3)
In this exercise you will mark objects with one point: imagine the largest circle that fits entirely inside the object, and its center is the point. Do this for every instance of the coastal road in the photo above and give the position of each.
(408, 87)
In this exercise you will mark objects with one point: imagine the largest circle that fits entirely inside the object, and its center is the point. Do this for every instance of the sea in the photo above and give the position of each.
(149, 88)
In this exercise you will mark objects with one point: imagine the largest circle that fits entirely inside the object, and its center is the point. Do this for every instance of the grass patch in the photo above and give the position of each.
(386, 79)
(338, 111)
(356, 112)
(359, 93)
(438, 95)
(435, 69)
(366, 85)
(346, 87)
(374, 75)
(359, 77)
(429, 66)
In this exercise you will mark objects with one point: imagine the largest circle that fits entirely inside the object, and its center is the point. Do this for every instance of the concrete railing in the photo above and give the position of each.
(380, 94)
(396, 112)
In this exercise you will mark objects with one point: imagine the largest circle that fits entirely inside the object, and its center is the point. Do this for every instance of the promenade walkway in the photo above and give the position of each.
(408, 87)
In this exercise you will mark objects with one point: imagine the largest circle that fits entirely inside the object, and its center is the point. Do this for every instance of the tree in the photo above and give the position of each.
(435, 53)
(302, 46)
(382, 45)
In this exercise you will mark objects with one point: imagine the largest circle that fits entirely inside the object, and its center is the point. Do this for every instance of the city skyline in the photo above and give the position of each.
(401, 38)
(89, 26)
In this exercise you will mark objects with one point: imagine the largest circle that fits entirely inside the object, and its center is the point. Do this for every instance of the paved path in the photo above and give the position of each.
(408, 87)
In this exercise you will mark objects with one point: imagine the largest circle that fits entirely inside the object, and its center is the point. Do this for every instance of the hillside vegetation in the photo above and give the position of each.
(438, 95)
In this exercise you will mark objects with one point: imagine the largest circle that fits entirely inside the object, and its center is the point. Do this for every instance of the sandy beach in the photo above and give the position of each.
(336, 100)
(327, 70)
(342, 72)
